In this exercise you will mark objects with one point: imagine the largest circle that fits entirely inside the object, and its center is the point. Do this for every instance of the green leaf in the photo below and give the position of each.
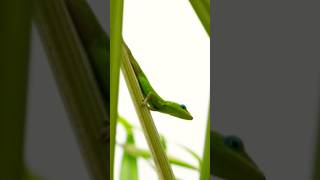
(134, 151)
(205, 165)
(192, 153)
(125, 123)
(316, 165)
(116, 14)
(30, 176)
(129, 168)
(15, 19)
(77, 84)
(163, 142)
(202, 9)
(181, 163)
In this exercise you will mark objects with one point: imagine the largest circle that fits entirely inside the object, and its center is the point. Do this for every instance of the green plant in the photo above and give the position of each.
(15, 18)
(77, 83)
(74, 41)
(164, 170)
(132, 153)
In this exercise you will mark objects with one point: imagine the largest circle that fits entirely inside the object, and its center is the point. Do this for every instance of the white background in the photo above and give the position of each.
(173, 49)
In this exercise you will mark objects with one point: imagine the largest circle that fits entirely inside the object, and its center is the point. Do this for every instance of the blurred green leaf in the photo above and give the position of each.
(15, 19)
(163, 142)
(125, 123)
(316, 165)
(192, 153)
(128, 126)
(202, 9)
(129, 168)
(30, 176)
(134, 151)
(76, 81)
(205, 165)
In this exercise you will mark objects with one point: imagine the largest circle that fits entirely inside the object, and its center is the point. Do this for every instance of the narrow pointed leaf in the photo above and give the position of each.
(129, 167)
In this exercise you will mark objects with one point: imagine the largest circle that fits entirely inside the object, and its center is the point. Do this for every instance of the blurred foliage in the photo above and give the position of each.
(131, 153)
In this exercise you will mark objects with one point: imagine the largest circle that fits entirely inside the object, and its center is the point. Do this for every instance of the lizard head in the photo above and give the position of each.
(177, 110)
(230, 160)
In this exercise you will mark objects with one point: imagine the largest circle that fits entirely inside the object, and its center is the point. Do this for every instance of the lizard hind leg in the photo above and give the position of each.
(146, 102)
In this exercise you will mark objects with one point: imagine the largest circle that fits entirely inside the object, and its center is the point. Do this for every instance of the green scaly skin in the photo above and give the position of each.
(154, 101)
(231, 162)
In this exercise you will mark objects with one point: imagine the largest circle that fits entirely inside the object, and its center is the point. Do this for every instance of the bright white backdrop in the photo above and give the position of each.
(173, 49)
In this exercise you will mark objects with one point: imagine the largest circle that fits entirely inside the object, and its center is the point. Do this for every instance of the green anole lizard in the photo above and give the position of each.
(229, 159)
(152, 99)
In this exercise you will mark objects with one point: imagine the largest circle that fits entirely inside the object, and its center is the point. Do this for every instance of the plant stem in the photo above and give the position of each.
(76, 82)
(150, 132)
(316, 166)
(85, 21)
(202, 8)
(205, 165)
(14, 60)
(116, 7)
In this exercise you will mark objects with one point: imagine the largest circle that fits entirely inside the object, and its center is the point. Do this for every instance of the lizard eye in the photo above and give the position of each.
(183, 106)
(234, 143)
